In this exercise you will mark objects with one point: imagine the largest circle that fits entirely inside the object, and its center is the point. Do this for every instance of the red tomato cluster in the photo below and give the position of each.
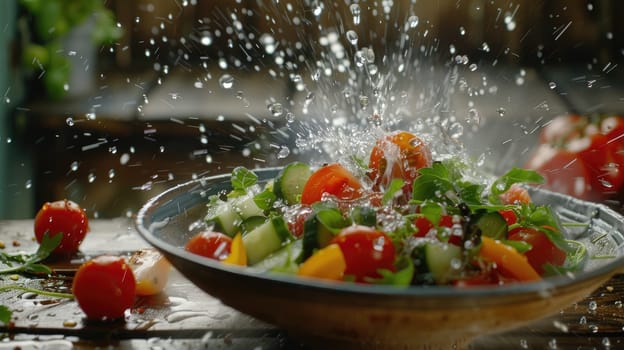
(582, 156)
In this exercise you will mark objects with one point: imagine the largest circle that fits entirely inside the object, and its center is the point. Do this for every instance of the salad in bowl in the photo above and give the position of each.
(395, 250)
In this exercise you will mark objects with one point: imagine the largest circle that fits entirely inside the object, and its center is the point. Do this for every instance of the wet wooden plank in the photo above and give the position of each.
(185, 315)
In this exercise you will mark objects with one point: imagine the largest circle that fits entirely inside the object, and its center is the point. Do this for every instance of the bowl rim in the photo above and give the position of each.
(546, 285)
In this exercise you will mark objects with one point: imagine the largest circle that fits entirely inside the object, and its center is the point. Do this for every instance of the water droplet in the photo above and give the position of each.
(28, 184)
(111, 173)
(352, 37)
(473, 67)
(606, 342)
(552, 343)
(412, 21)
(552, 85)
(462, 31)
(91, 177)
(276, 109)
(226, 81)
(501, 111)
(283, 152)
(206, 38)
(124, 159)
(70, 121)
(592, 306)
(524, 344)
(74, 166)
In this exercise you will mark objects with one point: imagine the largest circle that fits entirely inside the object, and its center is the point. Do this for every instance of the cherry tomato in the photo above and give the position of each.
(365, 251)
(613, 128)
(295, 217)
(398, 156)
(104, 287)
(333, 179)
(212, 245)
(562, 170)
(516, 195)
(543, 250)
(423, 225)
(509, 216)
(65, 217)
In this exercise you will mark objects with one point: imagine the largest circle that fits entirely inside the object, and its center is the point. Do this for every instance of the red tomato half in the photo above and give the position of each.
(542, 251)
(332, 179)
(212, 245)
(398, 156)
(65, 217)
(365, 250)
(104, 287)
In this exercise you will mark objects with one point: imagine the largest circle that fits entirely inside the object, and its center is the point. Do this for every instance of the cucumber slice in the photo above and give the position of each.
(490, 224)
(251, 223)
(439, 257)
(290, 182)
(282, 260)
(246, 206)
(224, 218)
(266, 239)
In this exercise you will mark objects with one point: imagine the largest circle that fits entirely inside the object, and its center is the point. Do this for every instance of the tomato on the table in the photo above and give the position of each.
(333, 179)
(210, 244)
(398, 155)
(62, 217)
(543, 251)
(509, 215)
(582, 156)
(365, 251)
(104, 287)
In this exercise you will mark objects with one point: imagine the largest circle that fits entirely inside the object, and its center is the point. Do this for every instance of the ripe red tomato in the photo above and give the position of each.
(398, 156)
(365, 251)
(509, 215)
(333, 179)
(104, 287)
(213, 245)
(295, 218)
(423, 225)
(582, 156)
(543, 250)
(562, 170)
(65, 217)
(516, 195)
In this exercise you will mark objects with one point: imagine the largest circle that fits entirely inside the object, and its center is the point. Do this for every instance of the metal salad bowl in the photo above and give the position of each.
(365, 316)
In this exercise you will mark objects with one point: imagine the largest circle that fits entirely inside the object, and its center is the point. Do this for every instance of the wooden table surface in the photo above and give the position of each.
(185, 317)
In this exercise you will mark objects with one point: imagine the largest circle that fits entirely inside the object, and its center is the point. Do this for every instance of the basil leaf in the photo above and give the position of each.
(243, 178)
(396, 186)
(5, 314)
(513, 176)
(265, 199)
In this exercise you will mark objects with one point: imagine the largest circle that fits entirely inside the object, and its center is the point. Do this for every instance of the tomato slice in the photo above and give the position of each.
(543, 250)
(210, 244)
(104, 287)
(333, 179)
(365, 251)
(398, 155)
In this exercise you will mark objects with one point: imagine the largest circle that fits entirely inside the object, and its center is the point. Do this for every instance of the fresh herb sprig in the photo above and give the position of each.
(30, 263)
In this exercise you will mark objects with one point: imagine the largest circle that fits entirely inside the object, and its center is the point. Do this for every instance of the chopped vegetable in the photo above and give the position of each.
(403, 219)
(151, 271)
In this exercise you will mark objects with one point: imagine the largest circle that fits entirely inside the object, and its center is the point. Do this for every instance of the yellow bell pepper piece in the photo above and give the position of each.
(508, 259)
(327, 263)
(238, 255)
